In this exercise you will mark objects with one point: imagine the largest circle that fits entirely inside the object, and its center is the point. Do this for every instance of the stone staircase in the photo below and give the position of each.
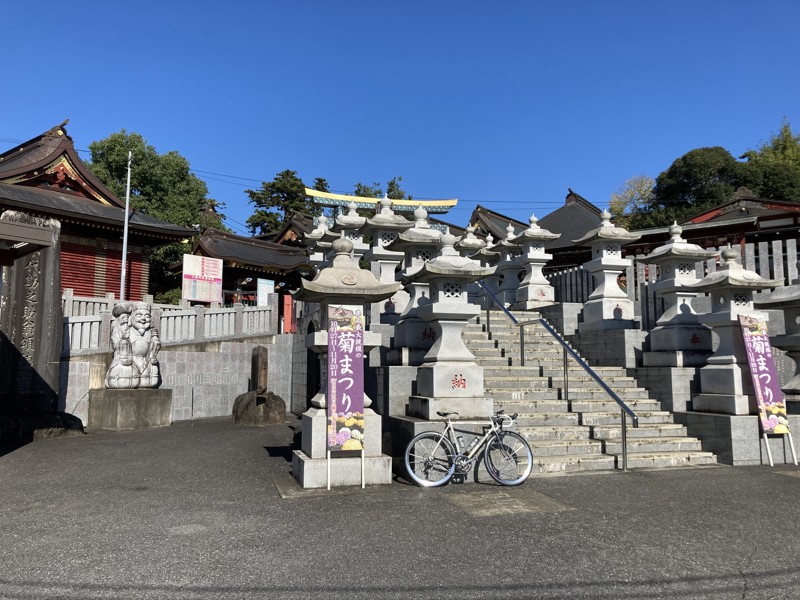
(583, 432)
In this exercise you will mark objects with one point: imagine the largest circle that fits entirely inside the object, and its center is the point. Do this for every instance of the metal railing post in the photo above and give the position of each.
(624, 441)
(566, 378)
(522, 345)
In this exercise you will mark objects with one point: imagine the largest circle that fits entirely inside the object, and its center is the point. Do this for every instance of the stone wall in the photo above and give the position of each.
(204, 378)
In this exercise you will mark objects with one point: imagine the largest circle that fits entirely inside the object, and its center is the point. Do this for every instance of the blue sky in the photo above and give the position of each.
(506, 104)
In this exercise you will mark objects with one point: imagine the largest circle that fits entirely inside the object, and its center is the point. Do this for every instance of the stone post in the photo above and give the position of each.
(535, 291)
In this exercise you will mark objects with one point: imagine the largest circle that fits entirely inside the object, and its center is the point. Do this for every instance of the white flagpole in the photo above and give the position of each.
(125, 232)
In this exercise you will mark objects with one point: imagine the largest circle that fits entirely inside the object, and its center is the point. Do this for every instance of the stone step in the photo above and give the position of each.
(609, 405)
(504, 396)
(562, 432)
(548, 419)
(520, 383)
(604, 432)
(600, 393)
(646, 460)
(573, 464)
(531, 402)
(515, 371)
(657, 444)
(610, 418)
(542, 448)
(585, 381)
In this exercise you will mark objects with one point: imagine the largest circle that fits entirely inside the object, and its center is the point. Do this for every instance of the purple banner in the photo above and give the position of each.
(767, 384)
(345, 378)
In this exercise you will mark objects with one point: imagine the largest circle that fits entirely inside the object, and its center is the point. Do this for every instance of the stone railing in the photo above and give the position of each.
(92, 333)
(83, 306)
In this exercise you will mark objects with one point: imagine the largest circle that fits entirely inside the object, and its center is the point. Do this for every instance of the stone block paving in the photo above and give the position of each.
(209, 510)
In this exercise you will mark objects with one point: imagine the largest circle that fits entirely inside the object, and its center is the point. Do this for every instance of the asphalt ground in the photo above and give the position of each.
(209, 510)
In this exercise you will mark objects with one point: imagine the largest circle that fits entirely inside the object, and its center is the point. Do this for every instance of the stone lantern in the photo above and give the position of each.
(346, 288)
(508, 267)
(488, 257)
(534, 291)
(351, 224)
(725, 383)
(413, 336)
(679, 339)
(449, 378)
(469, 245)
(384, 228)
(788, 299)
(608, 307)
(318, 243)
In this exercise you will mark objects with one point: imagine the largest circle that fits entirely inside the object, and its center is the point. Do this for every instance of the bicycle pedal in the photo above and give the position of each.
(459, 478)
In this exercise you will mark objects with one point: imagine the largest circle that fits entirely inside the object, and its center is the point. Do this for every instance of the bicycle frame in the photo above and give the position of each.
(492, 427)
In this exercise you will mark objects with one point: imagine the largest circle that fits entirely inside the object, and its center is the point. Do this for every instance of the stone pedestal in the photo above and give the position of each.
(309, 465)
(129, 409)
(736, 439)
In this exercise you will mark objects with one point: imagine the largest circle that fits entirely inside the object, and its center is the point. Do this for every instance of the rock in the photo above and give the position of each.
(252, 408)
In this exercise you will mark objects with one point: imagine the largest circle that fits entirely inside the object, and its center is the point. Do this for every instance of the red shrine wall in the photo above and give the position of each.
(93, 268)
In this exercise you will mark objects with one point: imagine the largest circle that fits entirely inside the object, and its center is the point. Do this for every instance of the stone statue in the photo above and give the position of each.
(135, 343)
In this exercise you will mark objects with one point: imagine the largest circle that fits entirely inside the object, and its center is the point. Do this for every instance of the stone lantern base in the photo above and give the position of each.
(310, 464)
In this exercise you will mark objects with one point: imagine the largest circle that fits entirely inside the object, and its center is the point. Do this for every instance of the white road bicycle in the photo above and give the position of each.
(433, 458)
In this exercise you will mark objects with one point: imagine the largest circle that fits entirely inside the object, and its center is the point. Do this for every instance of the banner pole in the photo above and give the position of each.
(329, 469)
(791, 445)
(769, 452)
(363, 478)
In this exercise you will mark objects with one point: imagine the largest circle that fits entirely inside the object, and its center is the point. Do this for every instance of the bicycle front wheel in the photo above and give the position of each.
(508, 458)
(429, 459)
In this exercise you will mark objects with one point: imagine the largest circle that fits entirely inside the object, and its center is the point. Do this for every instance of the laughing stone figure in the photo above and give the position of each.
(136, 345)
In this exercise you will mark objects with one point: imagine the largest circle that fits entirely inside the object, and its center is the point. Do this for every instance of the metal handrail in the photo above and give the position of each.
(568, 351)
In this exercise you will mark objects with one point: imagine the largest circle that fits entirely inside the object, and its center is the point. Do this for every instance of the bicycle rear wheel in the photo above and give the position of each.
(429, 459)
(508, 458)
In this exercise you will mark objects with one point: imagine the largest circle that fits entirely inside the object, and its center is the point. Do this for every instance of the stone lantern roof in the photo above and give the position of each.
(421, 234)
(534, 233)
(731, 274)
(386, 218)
(607, 232)
(449, 264)
(469, 243)
(344, 279)
(677, 248)
(350, 220)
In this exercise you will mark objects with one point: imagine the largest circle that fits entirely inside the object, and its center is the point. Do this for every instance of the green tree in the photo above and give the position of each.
(773, 170)
(368, 191)
(394, 191)
(163, 186)
(700, 176)
(277, 197)
(783, 147)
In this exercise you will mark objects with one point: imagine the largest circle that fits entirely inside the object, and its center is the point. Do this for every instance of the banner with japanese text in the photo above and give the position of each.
(345, 378)
(766, 383)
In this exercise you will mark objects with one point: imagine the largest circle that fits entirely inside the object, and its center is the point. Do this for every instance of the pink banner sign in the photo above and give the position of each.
(345, 378)
(766, 383)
